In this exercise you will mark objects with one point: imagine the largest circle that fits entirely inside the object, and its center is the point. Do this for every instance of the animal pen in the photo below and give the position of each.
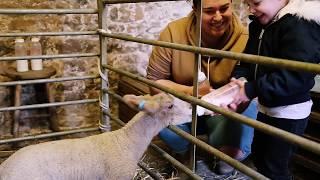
(103, 100)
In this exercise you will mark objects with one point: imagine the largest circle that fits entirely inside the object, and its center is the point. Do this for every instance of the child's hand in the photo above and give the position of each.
(240, 98)
(236, 108)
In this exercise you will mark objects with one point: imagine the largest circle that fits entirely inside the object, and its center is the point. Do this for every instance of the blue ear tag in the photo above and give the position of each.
(141, 105)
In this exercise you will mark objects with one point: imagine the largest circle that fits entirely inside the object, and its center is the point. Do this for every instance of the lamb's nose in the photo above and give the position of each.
(171, 106)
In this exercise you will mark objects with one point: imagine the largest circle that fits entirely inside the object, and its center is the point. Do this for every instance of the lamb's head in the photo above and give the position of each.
(180, 113)
(164, 106)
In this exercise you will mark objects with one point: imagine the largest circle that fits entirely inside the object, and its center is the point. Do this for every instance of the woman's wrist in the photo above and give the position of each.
(188, 90)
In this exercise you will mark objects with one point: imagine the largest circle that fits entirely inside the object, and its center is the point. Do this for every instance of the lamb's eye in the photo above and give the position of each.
(171, 106)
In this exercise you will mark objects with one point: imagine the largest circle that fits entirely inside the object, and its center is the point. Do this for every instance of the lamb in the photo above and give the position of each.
(110, 155)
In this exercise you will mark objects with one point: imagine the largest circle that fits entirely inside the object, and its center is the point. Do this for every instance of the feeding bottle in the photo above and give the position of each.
(222, 95)
(36, 50)
(20, 49)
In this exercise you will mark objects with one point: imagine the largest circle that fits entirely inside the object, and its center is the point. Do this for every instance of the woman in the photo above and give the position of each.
(221, 29)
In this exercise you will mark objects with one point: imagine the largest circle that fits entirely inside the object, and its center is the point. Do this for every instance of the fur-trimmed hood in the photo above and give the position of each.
(308, 10)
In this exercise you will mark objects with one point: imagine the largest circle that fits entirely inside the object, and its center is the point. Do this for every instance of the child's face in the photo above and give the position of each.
(265, 10)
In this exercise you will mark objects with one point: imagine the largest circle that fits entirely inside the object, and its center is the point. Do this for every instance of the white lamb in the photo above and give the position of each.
(110, 155)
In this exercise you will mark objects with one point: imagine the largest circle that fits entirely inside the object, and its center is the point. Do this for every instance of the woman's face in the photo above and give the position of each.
(216, 17)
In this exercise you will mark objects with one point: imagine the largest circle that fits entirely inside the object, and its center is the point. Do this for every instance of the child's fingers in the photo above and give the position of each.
(233, 79)
(225, 106)
(210, 113)
(233, 107)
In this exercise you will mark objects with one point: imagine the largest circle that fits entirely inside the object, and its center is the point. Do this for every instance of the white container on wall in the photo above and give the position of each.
(36, 50)
(21, 50)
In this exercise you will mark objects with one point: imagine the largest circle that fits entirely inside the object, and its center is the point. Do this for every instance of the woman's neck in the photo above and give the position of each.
(214, 42)
(211, 43)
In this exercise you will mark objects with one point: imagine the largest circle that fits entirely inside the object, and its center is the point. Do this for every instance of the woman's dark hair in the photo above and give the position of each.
(195, 3)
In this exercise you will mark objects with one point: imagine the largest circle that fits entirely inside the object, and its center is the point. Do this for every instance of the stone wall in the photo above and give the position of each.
(76, 116)
(144, 20)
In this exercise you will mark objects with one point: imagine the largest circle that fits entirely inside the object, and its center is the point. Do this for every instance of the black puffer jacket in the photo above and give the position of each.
(290, 37)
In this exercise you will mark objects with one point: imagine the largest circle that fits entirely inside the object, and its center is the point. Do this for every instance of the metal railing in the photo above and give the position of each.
(104, 121)
(48, 135)
(302, 142)
(48, 11)
(37, 81)
(263, 60)
(45, 105)
(282, 63)
(103, 34)
(168, 157)
(12, 58)
(76, 33)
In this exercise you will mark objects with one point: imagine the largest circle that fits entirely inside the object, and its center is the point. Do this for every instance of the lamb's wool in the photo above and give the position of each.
(111, 155)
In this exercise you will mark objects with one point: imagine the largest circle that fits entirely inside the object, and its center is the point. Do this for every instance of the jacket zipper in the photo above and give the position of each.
(259, 49)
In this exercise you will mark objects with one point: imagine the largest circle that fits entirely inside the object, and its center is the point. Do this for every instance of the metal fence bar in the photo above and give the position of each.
(134, 1)
(172, 160)
(155, 147)
(77, 33)
(195, 83)
(44, 105)
(37, 81)
(175, 162)
(48, 135)
(144, 166)
(238, 165)
(102, 21)
(12, 58)
(281, 63)
(292, 138)
(48, 11)
(119, 98)
(235, 163)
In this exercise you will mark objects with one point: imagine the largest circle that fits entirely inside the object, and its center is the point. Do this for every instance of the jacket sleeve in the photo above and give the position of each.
(300, 41)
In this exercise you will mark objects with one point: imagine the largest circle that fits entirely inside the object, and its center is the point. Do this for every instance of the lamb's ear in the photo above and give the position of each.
(147, 103)
(149, 106)
(131, 100)
(142, 103)
(152, 104)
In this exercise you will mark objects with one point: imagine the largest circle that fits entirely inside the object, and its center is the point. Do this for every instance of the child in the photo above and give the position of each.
(287, 29)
